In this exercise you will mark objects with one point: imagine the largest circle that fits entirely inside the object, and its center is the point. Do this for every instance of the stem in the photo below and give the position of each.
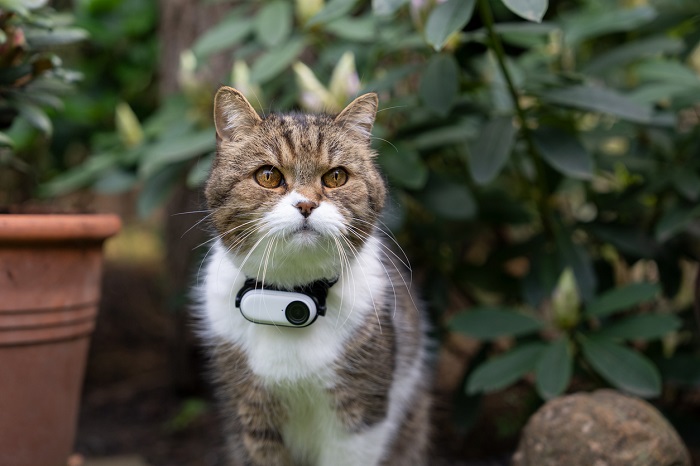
(541, 196)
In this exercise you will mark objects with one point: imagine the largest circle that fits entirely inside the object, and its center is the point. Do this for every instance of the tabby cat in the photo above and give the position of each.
(295, 200)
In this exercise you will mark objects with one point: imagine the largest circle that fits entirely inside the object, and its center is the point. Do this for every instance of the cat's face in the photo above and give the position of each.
(296, 191)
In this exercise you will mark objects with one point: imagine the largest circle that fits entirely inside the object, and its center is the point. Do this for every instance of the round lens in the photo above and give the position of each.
(297, 312)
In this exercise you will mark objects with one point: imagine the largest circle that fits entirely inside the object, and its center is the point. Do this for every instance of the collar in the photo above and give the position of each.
(318, 291)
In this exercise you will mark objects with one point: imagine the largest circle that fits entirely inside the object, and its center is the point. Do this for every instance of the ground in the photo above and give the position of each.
(143, 399)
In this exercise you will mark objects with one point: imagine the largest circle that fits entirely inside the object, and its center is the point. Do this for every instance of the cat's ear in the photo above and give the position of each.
(359, 115)
(233, 114)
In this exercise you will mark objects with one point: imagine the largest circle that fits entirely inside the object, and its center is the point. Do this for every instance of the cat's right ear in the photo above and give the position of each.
(233, 114)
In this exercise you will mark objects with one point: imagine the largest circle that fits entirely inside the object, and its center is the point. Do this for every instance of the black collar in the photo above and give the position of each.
(318, 291)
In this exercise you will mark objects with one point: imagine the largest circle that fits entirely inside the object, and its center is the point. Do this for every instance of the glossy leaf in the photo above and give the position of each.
(631, 51)
(439, 84)
(332, 11)
(674, 221)
(576, 256)
(177, 149)
(354, 29)
(403, 166)
(447, 18)
(115, 181)
(622, 298)
(584, 25)
(563, 151)
(5, 140)
(273, 23)
(600, 99)
(226, 34)
(158, 188)
(622, 367)
(503, 370)
(531, 10)
(52, 38)
(488, 323)
(199, 173)
(276, 60)
(489, 153)
(35, 116)
(553, 369)
(449, 199)
(387, 7)
(640, 327)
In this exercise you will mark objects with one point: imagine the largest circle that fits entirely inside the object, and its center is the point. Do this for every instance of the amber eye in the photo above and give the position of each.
(335, 178)
(269, 177)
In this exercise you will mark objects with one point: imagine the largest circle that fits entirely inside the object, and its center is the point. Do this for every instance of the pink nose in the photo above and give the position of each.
(305, 207)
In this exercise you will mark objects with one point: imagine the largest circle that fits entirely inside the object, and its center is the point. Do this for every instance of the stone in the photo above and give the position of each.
(603, 428)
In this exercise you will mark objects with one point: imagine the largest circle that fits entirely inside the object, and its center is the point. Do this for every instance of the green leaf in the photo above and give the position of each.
(489, 153)
(553, 369)
(273, 23)
(575, 256)
(503, 370)
(200, 172)
(674, 221)
(276, 60)
(669, 72)
(447, 18)
(39, 38)
(622, 367)
(115, 181)
(441, 136)
(177, 149)
(449, 200)
(403, 166)
(332, 11)
(563, 151)
(652, 93)
(640, 327)
(5, 140)
(687, 183)
(632, 51)
(79, 177)
(158, 188)
(488, 323)
(35, 116)
(226, 34)
(354, 29)
(622, 298)
(581, 25)
(531, 10)
(439, 84)
(600, 99)
(386, 7)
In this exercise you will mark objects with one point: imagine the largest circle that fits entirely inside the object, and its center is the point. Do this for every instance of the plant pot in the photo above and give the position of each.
(50, 274)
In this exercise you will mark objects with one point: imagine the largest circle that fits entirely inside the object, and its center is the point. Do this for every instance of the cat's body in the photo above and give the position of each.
(351, 388)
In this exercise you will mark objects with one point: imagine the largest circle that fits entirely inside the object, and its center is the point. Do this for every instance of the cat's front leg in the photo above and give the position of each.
(253, 414)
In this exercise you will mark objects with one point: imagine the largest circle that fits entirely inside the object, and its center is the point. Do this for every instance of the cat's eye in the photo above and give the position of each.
(269, 177)
(335, 178)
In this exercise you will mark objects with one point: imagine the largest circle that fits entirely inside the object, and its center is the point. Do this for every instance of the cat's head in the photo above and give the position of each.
(294, 190)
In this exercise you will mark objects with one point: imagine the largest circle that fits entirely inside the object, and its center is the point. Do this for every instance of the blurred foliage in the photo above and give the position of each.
(33, 81)
(542, 159)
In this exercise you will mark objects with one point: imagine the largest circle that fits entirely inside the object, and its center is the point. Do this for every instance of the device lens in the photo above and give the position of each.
(297, 312)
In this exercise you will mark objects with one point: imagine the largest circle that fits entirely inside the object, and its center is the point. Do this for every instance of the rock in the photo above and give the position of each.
(603, 428)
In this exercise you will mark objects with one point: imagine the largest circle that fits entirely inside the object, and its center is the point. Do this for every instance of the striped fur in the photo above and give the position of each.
(351, 389)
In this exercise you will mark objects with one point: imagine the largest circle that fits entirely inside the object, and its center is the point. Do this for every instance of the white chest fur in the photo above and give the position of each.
(291, 354)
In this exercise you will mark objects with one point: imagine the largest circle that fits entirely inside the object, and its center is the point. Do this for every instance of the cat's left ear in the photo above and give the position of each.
(359, 115)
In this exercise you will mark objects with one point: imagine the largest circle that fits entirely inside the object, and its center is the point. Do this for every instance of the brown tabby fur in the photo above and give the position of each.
(382, 349)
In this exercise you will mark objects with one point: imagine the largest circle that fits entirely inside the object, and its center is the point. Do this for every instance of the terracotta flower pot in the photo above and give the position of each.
(50, 273)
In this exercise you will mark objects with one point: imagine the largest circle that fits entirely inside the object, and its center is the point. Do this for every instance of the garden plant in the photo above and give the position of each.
(542, 159)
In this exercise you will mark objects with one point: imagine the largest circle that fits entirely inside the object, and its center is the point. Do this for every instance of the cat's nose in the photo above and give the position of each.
(305, 207)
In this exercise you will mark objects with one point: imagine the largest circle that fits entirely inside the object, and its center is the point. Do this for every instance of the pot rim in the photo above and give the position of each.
(57, 227)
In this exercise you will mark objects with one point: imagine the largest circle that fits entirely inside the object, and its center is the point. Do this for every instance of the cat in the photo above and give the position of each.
(295, 199)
